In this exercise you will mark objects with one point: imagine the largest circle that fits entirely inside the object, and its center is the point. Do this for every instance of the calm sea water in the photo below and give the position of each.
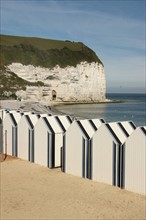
(133, 108)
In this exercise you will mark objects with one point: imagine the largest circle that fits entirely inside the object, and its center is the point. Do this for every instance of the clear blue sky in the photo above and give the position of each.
(115, 30)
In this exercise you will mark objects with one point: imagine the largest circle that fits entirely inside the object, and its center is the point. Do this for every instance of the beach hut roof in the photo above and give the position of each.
(64, 121)
(143, 128)
(96, 123)
(127, 127)
(15, 117)
(12, 119)
(52, 124)
(120, 130)
(13, 111)
(44, 115)
(31, 119)
(27, 113)
(84, 131)
(86, 127)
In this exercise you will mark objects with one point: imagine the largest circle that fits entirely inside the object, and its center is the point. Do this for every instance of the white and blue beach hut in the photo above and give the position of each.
(77, 148)
(106, 151)
(10, 133)
(48, 142)
(3, 113)
(133, 175)
(26, 136)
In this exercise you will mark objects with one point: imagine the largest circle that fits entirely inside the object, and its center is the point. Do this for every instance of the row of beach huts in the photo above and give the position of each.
(113, 153)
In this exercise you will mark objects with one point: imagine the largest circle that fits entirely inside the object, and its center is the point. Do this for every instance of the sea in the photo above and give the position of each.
(132, 107)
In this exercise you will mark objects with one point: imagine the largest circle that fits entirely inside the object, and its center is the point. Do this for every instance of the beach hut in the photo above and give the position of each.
(3, 113)
(26, 136)
(48, 142)
(77, 148)
(1, 130)
(10, 133)
(133, 175)
(1, 135)
(106, 147)
(64, 121)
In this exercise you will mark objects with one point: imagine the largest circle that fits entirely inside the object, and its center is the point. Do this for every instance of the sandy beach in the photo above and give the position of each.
(30, 191)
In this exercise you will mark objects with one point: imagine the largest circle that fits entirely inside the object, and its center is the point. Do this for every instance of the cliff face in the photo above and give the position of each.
(50, 70)
(83, 83)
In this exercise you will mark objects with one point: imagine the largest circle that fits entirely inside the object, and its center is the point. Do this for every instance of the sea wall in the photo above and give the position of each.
(83, 83)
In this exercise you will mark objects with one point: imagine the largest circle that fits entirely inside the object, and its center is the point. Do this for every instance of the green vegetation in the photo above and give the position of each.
(43, 52)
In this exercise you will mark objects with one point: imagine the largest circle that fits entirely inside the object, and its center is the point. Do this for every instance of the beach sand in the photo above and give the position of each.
(30, 191)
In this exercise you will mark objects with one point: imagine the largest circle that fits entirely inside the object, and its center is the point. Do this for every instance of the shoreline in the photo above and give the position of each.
(45, 107)
(77, 103)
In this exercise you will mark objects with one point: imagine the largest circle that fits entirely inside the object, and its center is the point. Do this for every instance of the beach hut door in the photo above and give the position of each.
(89, 159)
(14, 141)
(122, 174)
(51, 150)
(116, 165)
(31, 145)
(86, 158)
(83, 157)
(1, 136)
(63, 160)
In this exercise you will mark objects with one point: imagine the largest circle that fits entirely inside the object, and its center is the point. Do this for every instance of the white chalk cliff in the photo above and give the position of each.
(83, 83)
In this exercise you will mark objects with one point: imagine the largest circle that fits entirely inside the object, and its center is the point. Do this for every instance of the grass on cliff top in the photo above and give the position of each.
(40, 43)
(43, 52)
